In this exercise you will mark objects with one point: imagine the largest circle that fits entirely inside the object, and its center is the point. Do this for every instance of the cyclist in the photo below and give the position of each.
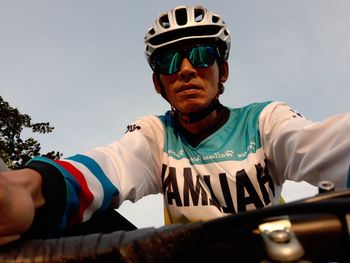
(207, 159)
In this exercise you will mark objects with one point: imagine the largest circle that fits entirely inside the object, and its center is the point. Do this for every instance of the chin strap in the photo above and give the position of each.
(199, 115)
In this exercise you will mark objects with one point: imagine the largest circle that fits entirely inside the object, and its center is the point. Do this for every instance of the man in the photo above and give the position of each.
(207, 159)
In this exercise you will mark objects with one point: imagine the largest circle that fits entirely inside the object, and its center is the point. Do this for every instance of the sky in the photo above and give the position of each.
(80, 65)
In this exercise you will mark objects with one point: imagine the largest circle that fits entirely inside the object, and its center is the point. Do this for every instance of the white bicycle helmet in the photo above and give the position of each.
(187, 23)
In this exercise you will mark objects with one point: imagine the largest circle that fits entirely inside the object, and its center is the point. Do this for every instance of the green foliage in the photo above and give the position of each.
(13, 149)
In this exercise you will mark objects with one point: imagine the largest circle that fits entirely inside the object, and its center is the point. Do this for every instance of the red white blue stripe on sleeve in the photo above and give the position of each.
(88, 188)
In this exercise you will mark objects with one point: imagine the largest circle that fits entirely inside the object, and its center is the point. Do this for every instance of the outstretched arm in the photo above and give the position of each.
(49, 196)
(20, 196)
(299, 149)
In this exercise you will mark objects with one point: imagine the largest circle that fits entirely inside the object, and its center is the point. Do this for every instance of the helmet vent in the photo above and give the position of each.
(198, 15)
(215, 19)
(183, 33)
(181, 16)
(164, 21)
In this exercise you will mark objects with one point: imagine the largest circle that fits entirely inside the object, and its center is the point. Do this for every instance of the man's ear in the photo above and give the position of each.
(156, 83)
(223, 72)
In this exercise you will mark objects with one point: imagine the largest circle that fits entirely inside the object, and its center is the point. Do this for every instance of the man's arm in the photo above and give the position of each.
(20, 195)
(51, 196)
(299, 149)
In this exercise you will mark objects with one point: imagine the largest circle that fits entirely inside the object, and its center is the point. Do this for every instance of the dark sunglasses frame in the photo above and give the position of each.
(162, 61)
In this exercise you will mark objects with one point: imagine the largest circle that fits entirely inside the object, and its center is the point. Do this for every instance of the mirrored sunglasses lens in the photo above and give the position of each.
(202, 56)
(168, 63)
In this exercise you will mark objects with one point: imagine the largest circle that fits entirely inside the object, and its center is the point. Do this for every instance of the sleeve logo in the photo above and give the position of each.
(295, 113)
(132, 128)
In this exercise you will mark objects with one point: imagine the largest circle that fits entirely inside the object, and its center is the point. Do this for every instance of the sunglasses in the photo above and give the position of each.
(168, 62)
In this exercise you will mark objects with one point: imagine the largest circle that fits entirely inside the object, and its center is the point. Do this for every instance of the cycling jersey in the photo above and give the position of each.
(241, 166)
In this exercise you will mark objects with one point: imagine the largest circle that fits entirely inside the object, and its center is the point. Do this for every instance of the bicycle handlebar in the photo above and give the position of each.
(320, 224)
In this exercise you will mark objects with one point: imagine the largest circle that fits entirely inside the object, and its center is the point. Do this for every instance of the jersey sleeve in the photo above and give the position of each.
(299, 149)
(87, 183)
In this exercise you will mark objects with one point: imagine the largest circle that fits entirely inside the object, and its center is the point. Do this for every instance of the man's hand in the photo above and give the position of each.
(20, 195)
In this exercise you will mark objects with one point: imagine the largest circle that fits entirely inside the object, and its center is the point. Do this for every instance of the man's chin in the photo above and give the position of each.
(193, 108)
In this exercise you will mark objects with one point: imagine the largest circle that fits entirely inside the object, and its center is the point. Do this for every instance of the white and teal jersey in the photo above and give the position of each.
(225, 174)
(241, 166)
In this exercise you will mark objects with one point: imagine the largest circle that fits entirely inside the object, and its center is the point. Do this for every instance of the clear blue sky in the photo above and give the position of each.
(80, 65)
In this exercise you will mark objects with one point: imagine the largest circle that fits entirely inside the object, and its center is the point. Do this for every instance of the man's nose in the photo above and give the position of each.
(187, 71)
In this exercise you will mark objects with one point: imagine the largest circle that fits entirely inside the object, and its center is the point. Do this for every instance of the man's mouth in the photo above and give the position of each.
(187, 88)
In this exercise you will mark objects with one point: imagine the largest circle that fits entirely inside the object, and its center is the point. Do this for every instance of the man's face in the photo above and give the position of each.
(191, 88)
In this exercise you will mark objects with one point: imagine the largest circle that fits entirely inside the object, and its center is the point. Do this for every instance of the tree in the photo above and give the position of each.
(14, 150)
